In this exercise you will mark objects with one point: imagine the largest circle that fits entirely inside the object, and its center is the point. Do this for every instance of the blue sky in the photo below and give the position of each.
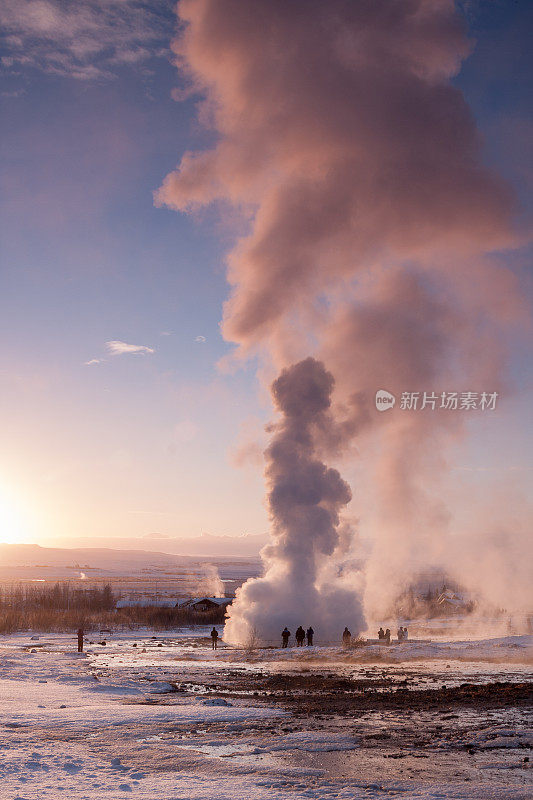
(140, 442)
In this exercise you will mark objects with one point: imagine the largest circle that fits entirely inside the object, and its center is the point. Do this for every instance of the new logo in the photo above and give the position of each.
(384, 400)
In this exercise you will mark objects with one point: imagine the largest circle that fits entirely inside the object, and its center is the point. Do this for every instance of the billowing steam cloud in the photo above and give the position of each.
(209, 584)
(358, 166)
(305, 498)
(341, 134)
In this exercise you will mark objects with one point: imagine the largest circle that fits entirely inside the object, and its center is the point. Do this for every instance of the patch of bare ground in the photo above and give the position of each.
(312, 693)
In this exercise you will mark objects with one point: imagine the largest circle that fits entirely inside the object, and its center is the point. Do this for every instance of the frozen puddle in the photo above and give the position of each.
(307, 741)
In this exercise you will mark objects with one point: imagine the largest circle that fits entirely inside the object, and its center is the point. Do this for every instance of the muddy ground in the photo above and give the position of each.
(467, 733)
(320, 694)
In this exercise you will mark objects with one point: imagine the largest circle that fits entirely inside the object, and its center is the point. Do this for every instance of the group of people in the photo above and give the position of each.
(402, 633)
(300, 636)
(384, 635)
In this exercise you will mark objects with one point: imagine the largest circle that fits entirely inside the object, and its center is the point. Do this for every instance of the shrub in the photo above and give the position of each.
(60, 608)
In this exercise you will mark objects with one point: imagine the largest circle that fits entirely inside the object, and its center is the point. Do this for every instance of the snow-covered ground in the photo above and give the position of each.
(110, 723)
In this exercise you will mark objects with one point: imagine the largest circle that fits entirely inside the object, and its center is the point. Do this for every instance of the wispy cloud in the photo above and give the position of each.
(118, 348)
(85, 40)
(200, 339)
(93, 361)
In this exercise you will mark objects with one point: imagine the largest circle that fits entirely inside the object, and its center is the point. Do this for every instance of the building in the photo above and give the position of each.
(451, 601)
(192, 603)
(204, 603)
(148, 602)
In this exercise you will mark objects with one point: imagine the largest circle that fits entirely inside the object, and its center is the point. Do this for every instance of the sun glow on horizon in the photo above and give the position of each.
(13, 525)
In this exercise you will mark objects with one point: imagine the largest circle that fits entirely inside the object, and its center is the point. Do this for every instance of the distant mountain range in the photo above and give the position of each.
(132, 552)
(33, 555)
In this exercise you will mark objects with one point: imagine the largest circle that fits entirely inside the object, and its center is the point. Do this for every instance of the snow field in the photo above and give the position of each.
(107, 724)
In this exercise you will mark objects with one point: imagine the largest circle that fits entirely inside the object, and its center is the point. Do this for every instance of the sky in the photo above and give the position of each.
(119, 414)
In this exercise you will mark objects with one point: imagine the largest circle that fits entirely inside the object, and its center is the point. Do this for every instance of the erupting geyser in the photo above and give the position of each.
(375, 239)
(305, 496)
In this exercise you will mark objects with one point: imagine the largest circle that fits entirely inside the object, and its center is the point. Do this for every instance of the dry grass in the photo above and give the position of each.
(57, 609)
(56, 621)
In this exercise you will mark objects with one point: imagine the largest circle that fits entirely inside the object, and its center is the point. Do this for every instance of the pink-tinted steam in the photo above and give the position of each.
(358, 167)
(339, 127)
